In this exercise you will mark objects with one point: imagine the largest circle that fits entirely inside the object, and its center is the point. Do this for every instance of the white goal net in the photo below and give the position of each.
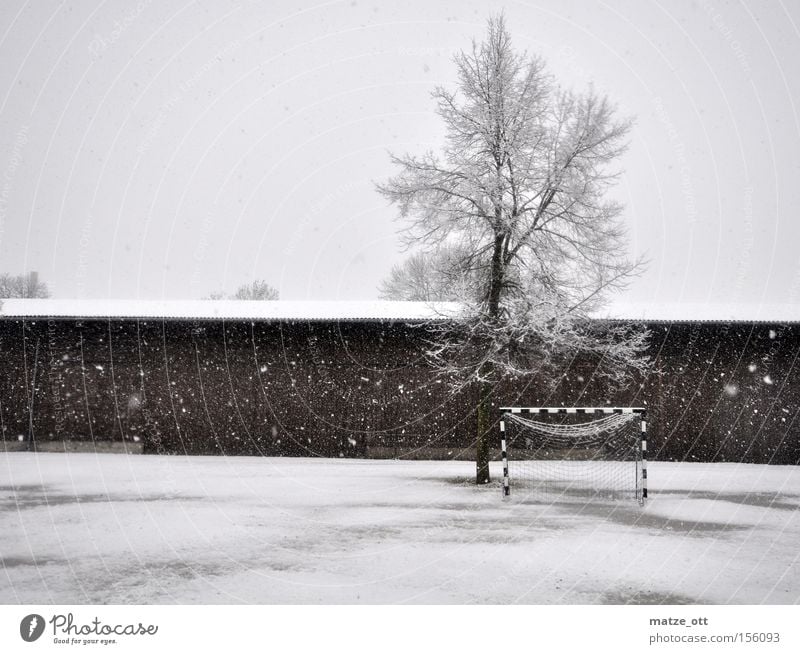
(563, 454)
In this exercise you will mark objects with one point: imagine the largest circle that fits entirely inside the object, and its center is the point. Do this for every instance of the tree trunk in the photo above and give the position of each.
(483, 441)
(496, 280)
(482, 444)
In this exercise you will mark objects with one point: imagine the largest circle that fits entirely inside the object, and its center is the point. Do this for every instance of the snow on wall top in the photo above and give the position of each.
(703, 312)
(373, 310)
(280, 310)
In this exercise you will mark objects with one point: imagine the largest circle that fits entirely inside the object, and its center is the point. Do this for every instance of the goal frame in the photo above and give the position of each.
(539, 410)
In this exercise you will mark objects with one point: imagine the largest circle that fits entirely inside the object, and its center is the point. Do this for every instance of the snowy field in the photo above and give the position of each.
(111, 528)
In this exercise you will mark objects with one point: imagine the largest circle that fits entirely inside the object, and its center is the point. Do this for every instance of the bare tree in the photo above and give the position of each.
(257, 290)
(22, 286)
(520, 186)
(429, 276)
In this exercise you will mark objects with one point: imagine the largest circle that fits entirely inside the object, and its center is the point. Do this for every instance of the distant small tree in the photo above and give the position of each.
(22, 286)
(520, 190)
(257, 290)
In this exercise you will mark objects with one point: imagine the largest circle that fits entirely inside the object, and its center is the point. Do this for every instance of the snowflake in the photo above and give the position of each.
(732, 390)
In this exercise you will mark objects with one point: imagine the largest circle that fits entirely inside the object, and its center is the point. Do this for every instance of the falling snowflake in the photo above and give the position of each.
(752, 367)
(732, 390)
(768, 379)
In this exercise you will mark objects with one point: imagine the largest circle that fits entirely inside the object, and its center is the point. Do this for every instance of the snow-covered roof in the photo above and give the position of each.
(270, 311)
(372, 310)
(703, 312)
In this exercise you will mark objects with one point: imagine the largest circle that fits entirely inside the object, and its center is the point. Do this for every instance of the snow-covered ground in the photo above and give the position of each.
(111, 528)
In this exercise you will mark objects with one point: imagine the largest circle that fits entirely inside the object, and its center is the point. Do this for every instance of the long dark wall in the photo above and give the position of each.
(718, 392)
(237, 388)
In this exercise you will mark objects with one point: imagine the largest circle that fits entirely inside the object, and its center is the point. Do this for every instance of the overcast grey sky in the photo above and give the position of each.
(158, 149)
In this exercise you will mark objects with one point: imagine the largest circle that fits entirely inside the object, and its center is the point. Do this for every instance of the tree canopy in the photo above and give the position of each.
(519, 192)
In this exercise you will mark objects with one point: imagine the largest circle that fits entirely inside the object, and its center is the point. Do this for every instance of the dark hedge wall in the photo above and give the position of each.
(723, 393)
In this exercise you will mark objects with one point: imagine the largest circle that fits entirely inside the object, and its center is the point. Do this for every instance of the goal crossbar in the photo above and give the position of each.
(633, 412)
(572, 409)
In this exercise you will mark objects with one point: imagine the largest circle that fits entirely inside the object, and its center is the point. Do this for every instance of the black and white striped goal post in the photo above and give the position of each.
(641, 481)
